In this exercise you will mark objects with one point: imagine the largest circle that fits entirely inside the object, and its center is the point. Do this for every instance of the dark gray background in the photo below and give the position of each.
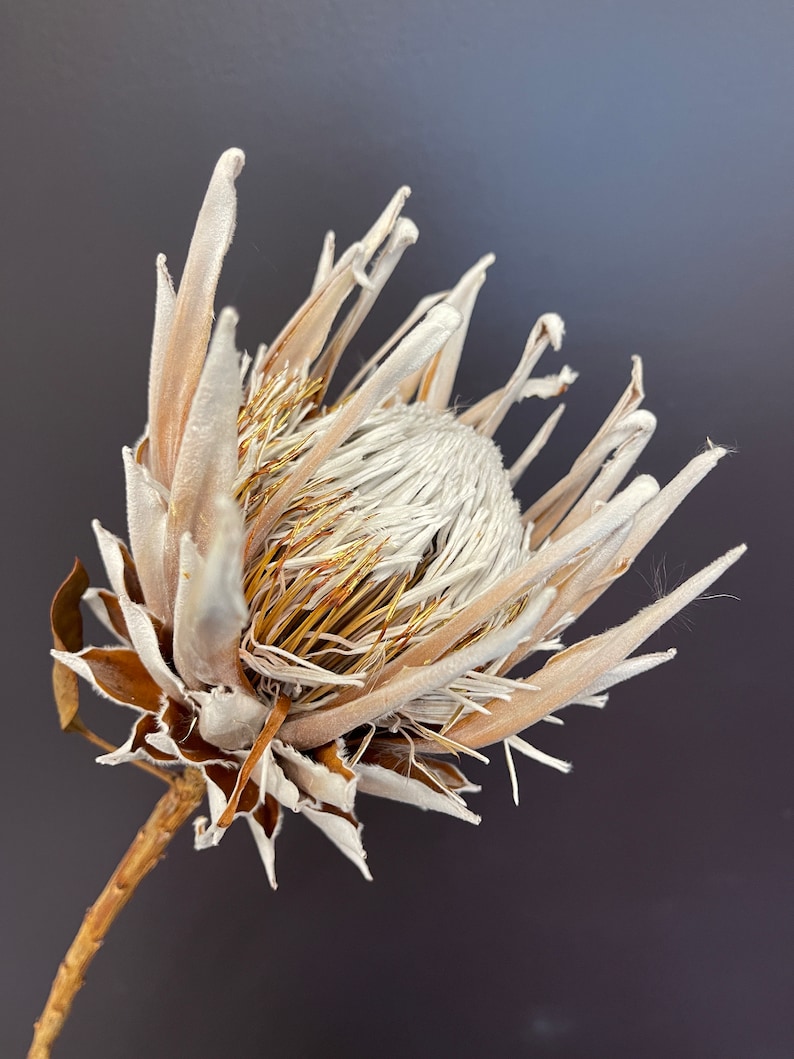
(631, 166)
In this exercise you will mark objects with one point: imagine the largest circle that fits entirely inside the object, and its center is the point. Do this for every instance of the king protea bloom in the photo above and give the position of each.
(322, 598)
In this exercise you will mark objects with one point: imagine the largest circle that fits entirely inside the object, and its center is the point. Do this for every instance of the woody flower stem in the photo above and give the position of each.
(147, 848)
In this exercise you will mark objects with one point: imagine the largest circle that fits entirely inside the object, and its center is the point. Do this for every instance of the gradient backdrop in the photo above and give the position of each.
(631, 167)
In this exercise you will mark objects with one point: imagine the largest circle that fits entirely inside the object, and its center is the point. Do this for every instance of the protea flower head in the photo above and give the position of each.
(325, 598)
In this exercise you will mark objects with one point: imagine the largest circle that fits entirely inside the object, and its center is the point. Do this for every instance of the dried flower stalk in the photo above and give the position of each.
(326, 598)
(174, 808)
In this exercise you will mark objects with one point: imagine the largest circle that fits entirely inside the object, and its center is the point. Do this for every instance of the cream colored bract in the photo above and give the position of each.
(326, 598)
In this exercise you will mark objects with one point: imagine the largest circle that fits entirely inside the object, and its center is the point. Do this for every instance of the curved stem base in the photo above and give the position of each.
(147, 848)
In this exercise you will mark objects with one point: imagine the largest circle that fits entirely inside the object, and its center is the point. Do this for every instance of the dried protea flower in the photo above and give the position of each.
(326, 598)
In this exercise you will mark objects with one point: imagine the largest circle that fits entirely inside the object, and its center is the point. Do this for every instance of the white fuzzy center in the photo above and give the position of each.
(432, 489)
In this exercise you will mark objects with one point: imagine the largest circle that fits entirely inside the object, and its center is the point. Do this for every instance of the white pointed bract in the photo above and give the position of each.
(324, 598)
